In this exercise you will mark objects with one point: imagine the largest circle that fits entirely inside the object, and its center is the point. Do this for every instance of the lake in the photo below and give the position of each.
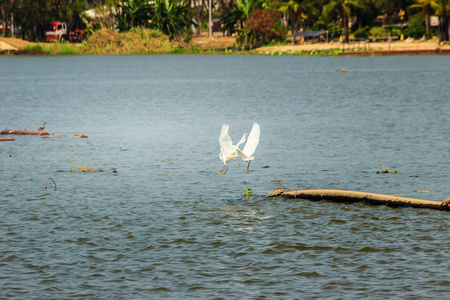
(159, 222)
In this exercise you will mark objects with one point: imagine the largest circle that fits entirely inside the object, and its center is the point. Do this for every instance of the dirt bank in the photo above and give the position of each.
(218, 41)
(373, 46)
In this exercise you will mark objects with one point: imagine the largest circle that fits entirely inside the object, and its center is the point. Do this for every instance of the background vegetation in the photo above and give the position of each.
(254, 22)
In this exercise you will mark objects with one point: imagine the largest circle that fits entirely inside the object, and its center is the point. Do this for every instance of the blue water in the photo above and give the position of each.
(159, 223)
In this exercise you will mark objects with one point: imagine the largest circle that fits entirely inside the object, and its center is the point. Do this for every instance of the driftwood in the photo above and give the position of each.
(6, 139)
(24, 132)
(353, 196)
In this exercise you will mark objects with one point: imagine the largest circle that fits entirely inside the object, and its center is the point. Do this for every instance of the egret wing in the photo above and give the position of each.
(226, 144)
(241, 140)
(252, 141)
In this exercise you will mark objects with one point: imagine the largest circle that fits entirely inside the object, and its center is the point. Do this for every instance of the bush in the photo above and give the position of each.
(187, 35)
(137, 41)
(263, 26)
(415, 28)
(362, 33)
(378, 32)
(396, 32)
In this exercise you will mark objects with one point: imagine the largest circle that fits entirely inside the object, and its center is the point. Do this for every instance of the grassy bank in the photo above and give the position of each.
(136, 41)
(147, 41)
(108, 42)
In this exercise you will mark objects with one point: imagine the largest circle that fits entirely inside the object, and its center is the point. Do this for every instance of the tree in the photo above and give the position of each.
(343, 10)
(235, 18)
(263, 26)
(5, 10)
(133, 13)
(294, 10)
(199, 10)
(34, 15)
(425, 7)
(171, 17)
(442, 9)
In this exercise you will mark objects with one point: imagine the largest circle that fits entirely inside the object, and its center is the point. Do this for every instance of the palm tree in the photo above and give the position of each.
(171, 17)
(425, 6)
(442, 9)
(133, 13)
(294, 10)
(343, 9)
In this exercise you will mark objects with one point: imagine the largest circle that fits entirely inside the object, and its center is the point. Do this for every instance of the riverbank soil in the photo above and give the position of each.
(370, 46)
(217, 41)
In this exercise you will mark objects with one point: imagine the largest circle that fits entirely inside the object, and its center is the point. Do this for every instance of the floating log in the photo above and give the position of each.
(24, 132)
(6, 139)
(353, 196)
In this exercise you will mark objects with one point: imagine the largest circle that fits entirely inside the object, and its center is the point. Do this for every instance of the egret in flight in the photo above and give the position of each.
(228, 151)
(42, 127)
(250, 147)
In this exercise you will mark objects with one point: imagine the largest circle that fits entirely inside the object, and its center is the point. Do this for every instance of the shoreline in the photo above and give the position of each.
(223, 44)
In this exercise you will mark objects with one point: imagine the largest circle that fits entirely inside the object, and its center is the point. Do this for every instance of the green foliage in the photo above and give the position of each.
(342, 9)
(384, 32)
(133, 13)
(396, 31)
(237, 15)
(248, 192)
(231, 19)
(32, 16)
(63, 49)
(415, 28)
(33, 48)
(171, 17)
(378, 32)
(362, 33)
(187, 35)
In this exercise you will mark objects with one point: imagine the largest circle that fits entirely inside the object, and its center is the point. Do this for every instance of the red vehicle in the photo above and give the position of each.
(57, 32)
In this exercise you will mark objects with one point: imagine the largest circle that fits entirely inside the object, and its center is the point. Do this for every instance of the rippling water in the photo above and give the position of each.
(166, 226)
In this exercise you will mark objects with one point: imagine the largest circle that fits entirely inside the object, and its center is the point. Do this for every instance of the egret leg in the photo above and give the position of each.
(249, 169)
(224, 171)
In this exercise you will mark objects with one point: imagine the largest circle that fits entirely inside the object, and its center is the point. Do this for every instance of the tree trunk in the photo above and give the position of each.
(4, 18)
(346, 29)
(295, 30)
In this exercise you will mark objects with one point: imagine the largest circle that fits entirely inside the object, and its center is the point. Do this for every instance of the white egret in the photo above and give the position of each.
(250, 147)
(228, 151)
(42, 127)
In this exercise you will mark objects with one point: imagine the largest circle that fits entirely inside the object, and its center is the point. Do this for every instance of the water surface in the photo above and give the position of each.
(166, 226)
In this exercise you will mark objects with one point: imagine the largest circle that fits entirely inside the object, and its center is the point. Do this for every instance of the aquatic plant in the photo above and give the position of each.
(385, 170)
(248, 192)
(81, 167)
